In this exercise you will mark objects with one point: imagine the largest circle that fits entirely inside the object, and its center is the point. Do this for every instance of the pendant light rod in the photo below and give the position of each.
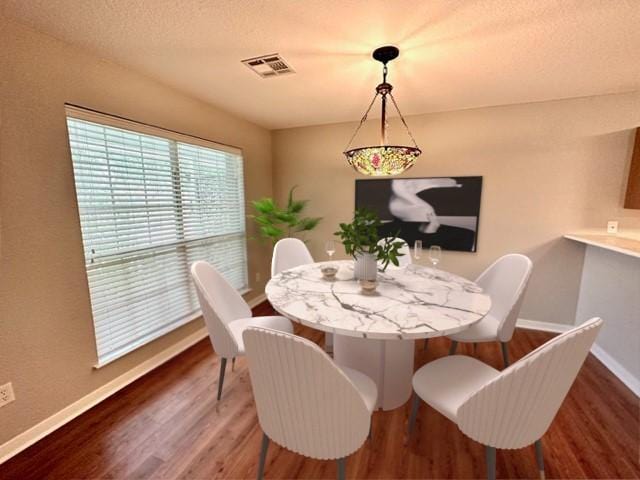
(383, 128)
(384, 55)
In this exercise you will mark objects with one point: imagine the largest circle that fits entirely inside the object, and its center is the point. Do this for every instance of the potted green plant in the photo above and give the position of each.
(275, 222)
(361, 240)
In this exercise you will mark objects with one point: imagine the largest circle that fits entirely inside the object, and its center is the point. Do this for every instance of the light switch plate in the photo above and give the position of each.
(612, 227)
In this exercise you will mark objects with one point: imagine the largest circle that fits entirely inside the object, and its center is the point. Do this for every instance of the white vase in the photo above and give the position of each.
(366, 266)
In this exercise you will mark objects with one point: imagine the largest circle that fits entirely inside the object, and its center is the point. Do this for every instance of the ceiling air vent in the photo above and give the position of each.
(268, 65)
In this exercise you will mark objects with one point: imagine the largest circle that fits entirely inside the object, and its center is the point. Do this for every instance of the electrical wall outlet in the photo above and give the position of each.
(612, 227)
(258, 276)
(6, 394)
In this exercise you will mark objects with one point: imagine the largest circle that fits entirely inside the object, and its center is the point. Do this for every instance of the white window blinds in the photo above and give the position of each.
(151, 203)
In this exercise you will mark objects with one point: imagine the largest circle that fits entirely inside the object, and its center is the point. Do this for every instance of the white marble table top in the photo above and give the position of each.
(411, 303)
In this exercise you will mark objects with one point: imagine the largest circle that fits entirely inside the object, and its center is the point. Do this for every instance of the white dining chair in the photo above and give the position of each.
(289, 253)
(305, 402)
(404, 259)
(506, 409)
(227, 315)
(505, 281)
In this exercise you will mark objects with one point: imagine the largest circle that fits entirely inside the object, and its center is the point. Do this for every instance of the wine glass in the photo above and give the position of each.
(417, 250)
(330, 248)
(435, 252)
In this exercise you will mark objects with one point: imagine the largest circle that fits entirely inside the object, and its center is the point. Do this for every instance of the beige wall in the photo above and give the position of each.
(46, 337)
(548, 168)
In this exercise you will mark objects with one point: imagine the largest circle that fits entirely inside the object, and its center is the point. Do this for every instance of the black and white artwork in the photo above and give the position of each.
(440, 211)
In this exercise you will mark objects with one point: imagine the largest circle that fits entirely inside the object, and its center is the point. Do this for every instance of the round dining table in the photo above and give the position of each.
(375, 332)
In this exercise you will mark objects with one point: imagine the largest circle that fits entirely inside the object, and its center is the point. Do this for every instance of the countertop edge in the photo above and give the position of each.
(581, 239)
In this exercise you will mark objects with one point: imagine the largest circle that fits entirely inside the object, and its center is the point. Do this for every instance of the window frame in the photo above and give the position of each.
(182, 244)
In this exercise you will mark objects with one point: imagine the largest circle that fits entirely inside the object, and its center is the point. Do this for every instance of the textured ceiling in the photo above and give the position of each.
(454, 54)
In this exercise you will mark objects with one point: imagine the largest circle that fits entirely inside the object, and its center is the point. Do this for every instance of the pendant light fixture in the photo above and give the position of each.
(383, 159)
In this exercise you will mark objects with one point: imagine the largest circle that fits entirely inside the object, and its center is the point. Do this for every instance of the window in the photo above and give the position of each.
(151, 203)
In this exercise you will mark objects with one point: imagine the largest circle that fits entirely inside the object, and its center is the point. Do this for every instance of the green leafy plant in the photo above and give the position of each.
(361, 236)
(275, 222)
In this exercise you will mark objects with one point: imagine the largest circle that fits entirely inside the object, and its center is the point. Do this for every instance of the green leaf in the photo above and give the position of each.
(361, 235)
(307, 224)
(262, 220)
(296, 206)
(290, 199)
(271, 231)
(274, 221)
(264, 205)
(285, 217)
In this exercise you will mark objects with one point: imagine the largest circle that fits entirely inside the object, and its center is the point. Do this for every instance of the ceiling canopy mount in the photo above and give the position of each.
(386, 54)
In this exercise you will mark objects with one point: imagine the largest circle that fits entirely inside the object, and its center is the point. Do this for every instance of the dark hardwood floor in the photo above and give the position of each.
(168, 425)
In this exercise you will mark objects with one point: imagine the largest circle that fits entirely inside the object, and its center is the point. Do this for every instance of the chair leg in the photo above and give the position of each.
(475, 348)
(342, 468)
(415, 405)
(426, 344)
(223, 366)
(540, 458)
(328, 343)
(263, 456)
(453, 348)
(490, 453)
(505, 353)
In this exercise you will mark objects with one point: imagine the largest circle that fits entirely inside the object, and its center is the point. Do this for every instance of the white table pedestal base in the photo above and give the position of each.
(389, 363)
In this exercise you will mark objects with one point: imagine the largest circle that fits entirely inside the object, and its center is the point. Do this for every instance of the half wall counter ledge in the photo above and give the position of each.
(625, 243)
(610, 288)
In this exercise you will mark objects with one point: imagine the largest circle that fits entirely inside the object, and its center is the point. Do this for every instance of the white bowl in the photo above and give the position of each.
(368, 286)
(329, 272)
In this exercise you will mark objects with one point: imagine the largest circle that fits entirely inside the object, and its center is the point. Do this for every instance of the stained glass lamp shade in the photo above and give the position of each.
(383, 159)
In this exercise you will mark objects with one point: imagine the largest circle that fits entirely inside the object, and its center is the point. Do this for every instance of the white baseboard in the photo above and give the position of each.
(607, 360)
(624, 375)
(55, 421)
(543, 326)
(258, 300)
